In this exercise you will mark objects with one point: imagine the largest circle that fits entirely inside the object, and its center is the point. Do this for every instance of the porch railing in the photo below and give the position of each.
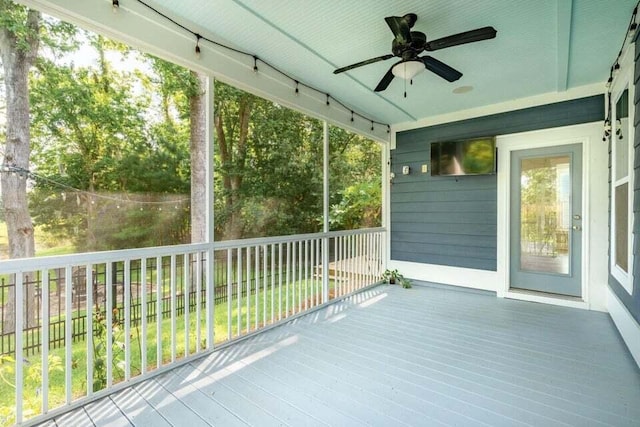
(98, 322)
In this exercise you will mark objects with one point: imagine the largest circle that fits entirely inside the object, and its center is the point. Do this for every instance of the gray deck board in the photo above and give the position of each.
(172, 409)
(105, 412)
(137, 410)
(204, 406)
(390, 356)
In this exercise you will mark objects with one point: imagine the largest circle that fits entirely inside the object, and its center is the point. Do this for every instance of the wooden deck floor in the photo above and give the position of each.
(392, 356)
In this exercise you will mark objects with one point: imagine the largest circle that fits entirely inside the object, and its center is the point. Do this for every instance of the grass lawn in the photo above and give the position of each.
(248, 317)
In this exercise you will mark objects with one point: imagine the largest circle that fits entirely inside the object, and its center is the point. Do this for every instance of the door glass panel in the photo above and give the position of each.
(545, 214)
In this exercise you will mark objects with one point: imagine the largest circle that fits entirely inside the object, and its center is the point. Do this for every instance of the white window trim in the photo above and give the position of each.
(623, 80)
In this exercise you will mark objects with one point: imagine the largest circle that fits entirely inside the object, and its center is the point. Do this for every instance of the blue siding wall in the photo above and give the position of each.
(452, 220)
(632, 302)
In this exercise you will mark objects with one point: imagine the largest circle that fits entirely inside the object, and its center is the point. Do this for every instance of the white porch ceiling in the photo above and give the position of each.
(542, 46)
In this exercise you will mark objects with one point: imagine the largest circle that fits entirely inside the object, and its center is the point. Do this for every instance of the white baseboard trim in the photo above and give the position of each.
(454, 276)
(626, 324)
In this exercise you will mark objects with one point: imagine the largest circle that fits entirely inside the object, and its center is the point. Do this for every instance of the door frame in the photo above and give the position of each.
(540, 139)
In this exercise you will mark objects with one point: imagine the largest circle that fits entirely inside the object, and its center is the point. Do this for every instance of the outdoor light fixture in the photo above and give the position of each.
(407, 70)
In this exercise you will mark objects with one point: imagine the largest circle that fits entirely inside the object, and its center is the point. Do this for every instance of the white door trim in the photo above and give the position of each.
(577, 134)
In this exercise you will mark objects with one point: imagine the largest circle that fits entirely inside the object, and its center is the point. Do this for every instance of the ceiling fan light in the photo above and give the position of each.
(408, 69)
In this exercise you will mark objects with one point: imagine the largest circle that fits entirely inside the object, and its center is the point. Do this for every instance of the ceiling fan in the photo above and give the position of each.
(407, 45)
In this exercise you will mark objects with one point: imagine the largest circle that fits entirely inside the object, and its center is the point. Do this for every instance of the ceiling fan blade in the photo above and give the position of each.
(441, 69)
(360, 64)
(400, 28)
(386, 80)
(483, 33)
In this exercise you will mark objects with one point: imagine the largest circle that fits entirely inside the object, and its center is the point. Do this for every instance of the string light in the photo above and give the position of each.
(27, 174)
(631, 30)
(371, 126)
(328, 103)
(115, 4)
(200, 38)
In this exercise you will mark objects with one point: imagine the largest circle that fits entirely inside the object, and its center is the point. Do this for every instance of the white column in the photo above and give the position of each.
(325, 214)
(210, 285)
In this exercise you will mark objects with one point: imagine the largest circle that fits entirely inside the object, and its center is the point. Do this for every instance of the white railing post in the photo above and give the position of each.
(198, 300)
(159, 293)
(239, 288)
(186, 289)
(229, 293)
(89, 306)
(44, 291)
(143, 314)
(210, 276)
(108, 281)
(19, 327)
(68, 331)
(127, 320)
(172, 281)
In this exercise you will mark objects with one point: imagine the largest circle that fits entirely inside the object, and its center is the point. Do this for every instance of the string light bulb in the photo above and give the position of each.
(619, 129)
(255, 64)
(297, 90)
(115, 4)
(607, 130)
(328, 103)
(198, 51)
(609, 82)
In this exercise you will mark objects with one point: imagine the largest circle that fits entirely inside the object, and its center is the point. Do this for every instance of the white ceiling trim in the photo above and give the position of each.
(138, 27)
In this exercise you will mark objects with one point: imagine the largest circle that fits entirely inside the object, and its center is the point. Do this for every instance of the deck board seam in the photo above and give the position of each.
(135, 389)
(121, 411)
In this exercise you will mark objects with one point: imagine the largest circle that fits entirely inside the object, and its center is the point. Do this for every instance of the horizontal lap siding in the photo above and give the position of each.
(452, 221)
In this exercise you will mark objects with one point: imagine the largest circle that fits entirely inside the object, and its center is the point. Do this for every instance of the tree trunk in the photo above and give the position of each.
(16, 61)
(198, 147)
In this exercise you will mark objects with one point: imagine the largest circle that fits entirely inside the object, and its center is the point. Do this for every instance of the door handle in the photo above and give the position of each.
(577, 228)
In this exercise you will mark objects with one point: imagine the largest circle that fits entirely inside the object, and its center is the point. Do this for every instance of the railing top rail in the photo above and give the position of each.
(58, 261)
(243, 243)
